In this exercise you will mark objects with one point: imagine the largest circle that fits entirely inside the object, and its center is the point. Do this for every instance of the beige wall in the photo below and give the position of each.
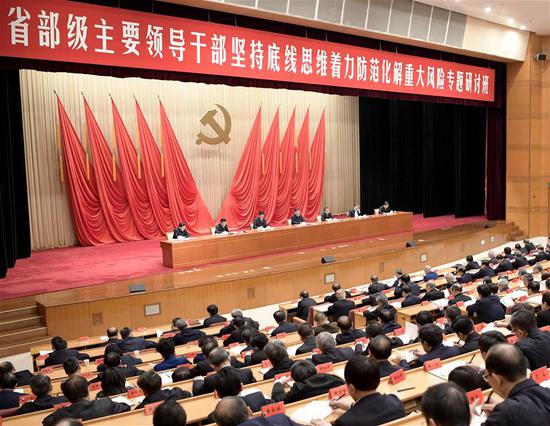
(212, 166)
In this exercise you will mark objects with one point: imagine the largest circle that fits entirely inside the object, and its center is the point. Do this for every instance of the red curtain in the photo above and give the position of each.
(185, 200)
(110, 187)
(269, 179)
(286, 169)
(301, 169)
(90, 225)
(134, 182)
(316, 172)
(154, 175)
(239, 206)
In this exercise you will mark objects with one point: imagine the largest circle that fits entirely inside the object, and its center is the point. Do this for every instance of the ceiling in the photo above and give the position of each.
(534, 14)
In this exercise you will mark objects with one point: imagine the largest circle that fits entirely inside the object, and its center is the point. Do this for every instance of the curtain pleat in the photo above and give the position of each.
(269, 179)
(286, 154)
(316, 172)
(301, 169)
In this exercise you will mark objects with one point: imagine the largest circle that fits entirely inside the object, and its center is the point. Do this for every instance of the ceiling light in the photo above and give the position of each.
(510, 21)
(522, 27)
(488, 9)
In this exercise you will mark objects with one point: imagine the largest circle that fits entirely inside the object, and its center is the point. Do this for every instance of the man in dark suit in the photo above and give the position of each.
(114, 360)
(331, 298)
(347, 334)
(525, 402)
(457, 295)
(381, 303)
(186, 334)
(534, 343)
(462, 276)
(297, 217)
(41, 387)
(180, 231)
(221, 227)
(283, 326)
(445, 404)
(258, 342)
(229, 328)
(355, 211)
(508, 253)
(362, 376)
(329, 352)
(214, 318)
(202, 364)
(219, 359)
(302, 310)
(341, 307)
(374, 288)
(431, 339)
(23, 377)
(260, 221)
(326, 215)
(464, 329)
(504, 265)
(8, 397)
(236, 336)
(387, 318)
(278, 356)
(384, 208)
(167, 350)
(61, 353)
(380, 350)
(432, 293)
(471, 263)
(307, 336)
(410, 299)
(519, 260)
(529, 246)
(429, 274)
(151, 385)
(406, 280)
(112, 335)
(130, 343)
(488, 307)
(321, 323)
(307, 383)
(484, 271)
(75, 390)
(232, 410)
(543, 317)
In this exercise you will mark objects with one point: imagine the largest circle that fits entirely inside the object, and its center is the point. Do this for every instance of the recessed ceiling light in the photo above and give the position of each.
(488, 9)
(522, 27)
(510, 21)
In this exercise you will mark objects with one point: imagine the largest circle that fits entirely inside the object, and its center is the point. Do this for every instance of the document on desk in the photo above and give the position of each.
(291, 350)
(408, 356)
(517, 294)
(411, 330)
(445, 370)
(123, 400)
(236, 350)
(469, 302)
(507, 301)
(166, 378)
(441, 303)
(313, 410)
(535, 299)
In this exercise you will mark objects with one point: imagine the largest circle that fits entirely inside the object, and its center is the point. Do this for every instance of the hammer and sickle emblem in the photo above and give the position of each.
(222, 133)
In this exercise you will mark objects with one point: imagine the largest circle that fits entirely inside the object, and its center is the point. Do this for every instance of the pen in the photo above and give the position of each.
(405, 389)
(489, 397)
(472, 358)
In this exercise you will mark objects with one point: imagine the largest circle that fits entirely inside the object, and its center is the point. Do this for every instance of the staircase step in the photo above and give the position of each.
(15, 325)
(20, 348)
(13, 314)
(18, 302)
(22, 336)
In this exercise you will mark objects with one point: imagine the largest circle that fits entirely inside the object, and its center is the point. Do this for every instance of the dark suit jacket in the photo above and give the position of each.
(219, 228)
(307, 346)
(325, 216)
(471, 265)
(331, 298)
(284, 327)
(483, 272)
(171, 362)
(411, 300)
(349, 336)
(164, 395)
(353, 213)
(255, 358)
(135, 344)
(255, 401)
(333, 355)
(504, 266)
(536, 348)
(520, 261)
(207, 385)
(187, 335)
(341, 308)
(86, 410)
(302, 311)
(179, 233)
(442, 352)
(488, 309)
(372, 410)
(387, 368)
(459, 298)
(23, 377)
(9, 399)
(415, 289)
(374, 314)
(527, 403)
(317, 384)
(434, 295)
(466, 278)
(390, 326)
(282, 367)
(329, 327)
(215, 319)
(59, 357)
(39, 404)
(296, 220)
(203, 367)
(543, 318)
(377, 287)
(259, 223)
(276, 420)
(471, 343)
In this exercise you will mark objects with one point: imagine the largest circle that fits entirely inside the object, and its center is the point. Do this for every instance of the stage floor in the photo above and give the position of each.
(59, 269)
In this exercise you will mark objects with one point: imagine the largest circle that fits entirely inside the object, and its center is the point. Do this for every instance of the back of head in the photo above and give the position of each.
(112, 332)
(484, 290)
(373, 329)
(227, 383)
(276, 352)
(463, 325)
(362, 372)
(430, 285)
(534, 286)
(113, 382)
(58, 343)
(208, 345)
(218, 357)
(469, 258)
(165, 347)
(452, 313)
(380, 347)
(405, 278)
(231, 411)
(507, 250)
(212, 309)
(424, 317)
(112, 359)
(523, 320)
(507, 361)
(279, 316)
(236, 313)
(112, 347)
(431, 334)
(340, 294)
(468, 378)
(456, 288)
(335, 287)
(259, 340)
(302, 370)
(406, 289)
(169, 413)
(446, 404)
(181, 373)
(40, 385)
(75, 388)
(71, 365)
(324, 341)
(8, 381)
(386, 315)
(489, 339)
(181, 324)
(493, 286)
(305, 330)
(344, 323)
(149, 382)
(125, 332)
(239, 322)
(546, 296)
(521, 305)
(320, 318)
(6, 367)
(304, 294)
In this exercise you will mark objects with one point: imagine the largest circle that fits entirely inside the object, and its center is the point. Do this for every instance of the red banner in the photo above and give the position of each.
(76, 32)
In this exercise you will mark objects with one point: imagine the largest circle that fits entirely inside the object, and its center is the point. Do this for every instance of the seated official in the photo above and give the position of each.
(331, 298)
(258, 342)
(458, 295)
(464, 329)
(387, 318)
(113, 358)
(180, 232)
(61, 353)
(167, 350)
(488, 307)
(431, 339)
(247, 336)
(202, 364)
(321, 323)
(384, 208)
(492, 257)
(503, 285)
(381, 303)
(347, 334)
(41, 387)
(307, 336)
(129, 343)
(429, 274)
(260, 221)
(373, 329)
(451, 314)
(484, 271)
(450, 280)
(423, 318)
(543, 317)
(462, 276)
(533, 288)
(113, 383)
(471, 263)
(214, 318)
(232, 411)
(374, 288)
(71, 366)
(342, 306)
(169, 413)
(186, 334)
(151, 385)
(307, 383)
(409, 298)
(221, 227)
(241, 324)
(8, 397)
(380, 350)
(283, 326)
(302, 310)
(525, 402)
(405, 280)
(75, 390)
(23, 377)
(445, 404)
(534, 344)
(362, 376)
(173, 328)
(180, 374)
(504, 265)
(432, 293)
(278, 356)
(326, 215)
(112, 335)
(329, 352)
(508, 253)
(519, 260)
(468, 377)
(296, 218)
(220, 360)
(355, 211)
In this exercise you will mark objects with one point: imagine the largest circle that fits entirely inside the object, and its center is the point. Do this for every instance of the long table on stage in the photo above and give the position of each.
(215, 248)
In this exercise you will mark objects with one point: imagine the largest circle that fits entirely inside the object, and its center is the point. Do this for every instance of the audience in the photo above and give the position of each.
(129, 343)
(464, 329)
(61, 353)
(232, 411)
(23, 377)
(180, 374)
(283, 326)
(332, 297)
(278, 356)
(213, 318)
(167, 350)
(457, 295)
(8, 397)
(432, 293)
(113, 383)
(380, 350)
(151, 385)
(429, 274)
(304, 304)
(381, 303)
(387, 318)
(186, 334)
(463, 276)
(113, 359)
(169, 413)
(258, 342)
(488, 340)
(112, 335)
(534, 343)
(468, 377)
(431, 339)
(322, 323)
(470, 263)
(488, 307)
(329, 352)
(202, 364)
(347, 334)
(543, 317)
(445, 404)
(71, 366)
(41, 387)
(342, 306)
(409, 298)
(307, 336)
(228, 383)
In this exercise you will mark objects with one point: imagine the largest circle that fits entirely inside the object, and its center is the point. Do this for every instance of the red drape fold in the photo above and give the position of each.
(134, 182)
(316, 172)
(110, 187)
(152, 171)
(90, 224)
(269, 179)
(286, 170)
(186, 203)
(301, 169)
(240, 203)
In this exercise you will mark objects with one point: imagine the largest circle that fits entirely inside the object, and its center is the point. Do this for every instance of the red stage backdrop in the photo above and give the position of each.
(75, 32)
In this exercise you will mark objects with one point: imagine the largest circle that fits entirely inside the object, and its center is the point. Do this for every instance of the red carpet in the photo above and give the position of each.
(60, 269)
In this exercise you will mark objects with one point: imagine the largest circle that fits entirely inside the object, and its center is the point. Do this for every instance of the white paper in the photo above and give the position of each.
(489, 327)
(123, 400)
(446, 293)
(159, 332)
(517, 294)
(291, 350)
(469, 302)
(236, 350)
(166, 378)
(103, 338)
(249, 391)
(313, 410)
(264, 370)
(411, 329)
(406, 355)
(448, 343)
(545, 384)
(478, 420)
(507, 301)
(19, 390)
(446, 369)
(537, 299)
(323, 308)
(339, 372)
(441, 303)
(396, 305)
(405, 338)
(44, 352)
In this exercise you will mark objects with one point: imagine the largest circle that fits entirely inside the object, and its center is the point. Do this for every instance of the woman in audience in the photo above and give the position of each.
(113, 382)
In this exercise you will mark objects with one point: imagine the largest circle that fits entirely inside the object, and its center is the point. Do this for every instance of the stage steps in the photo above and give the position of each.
(515, 233)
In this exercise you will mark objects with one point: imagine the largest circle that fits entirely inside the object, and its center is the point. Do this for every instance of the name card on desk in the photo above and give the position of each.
(46, 370)
(61, 405)
(272, 409)
(325, 367)
(232, 345)
(168, 335)
(397, 377)
(285, 374)
(150, 408)
(94, 386)
(99, 361)
(280, 335)
(26, 398)
(545, 328)
(338, 392)
(88, 375)
(512, 339)
(316, 351)
(363, 340)
(399, 331)
(432, 364)
(540, 374)
(135, 393)
(84, 339)
(479, 327)
(425, 302)
(266, 363)
(475, 396)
